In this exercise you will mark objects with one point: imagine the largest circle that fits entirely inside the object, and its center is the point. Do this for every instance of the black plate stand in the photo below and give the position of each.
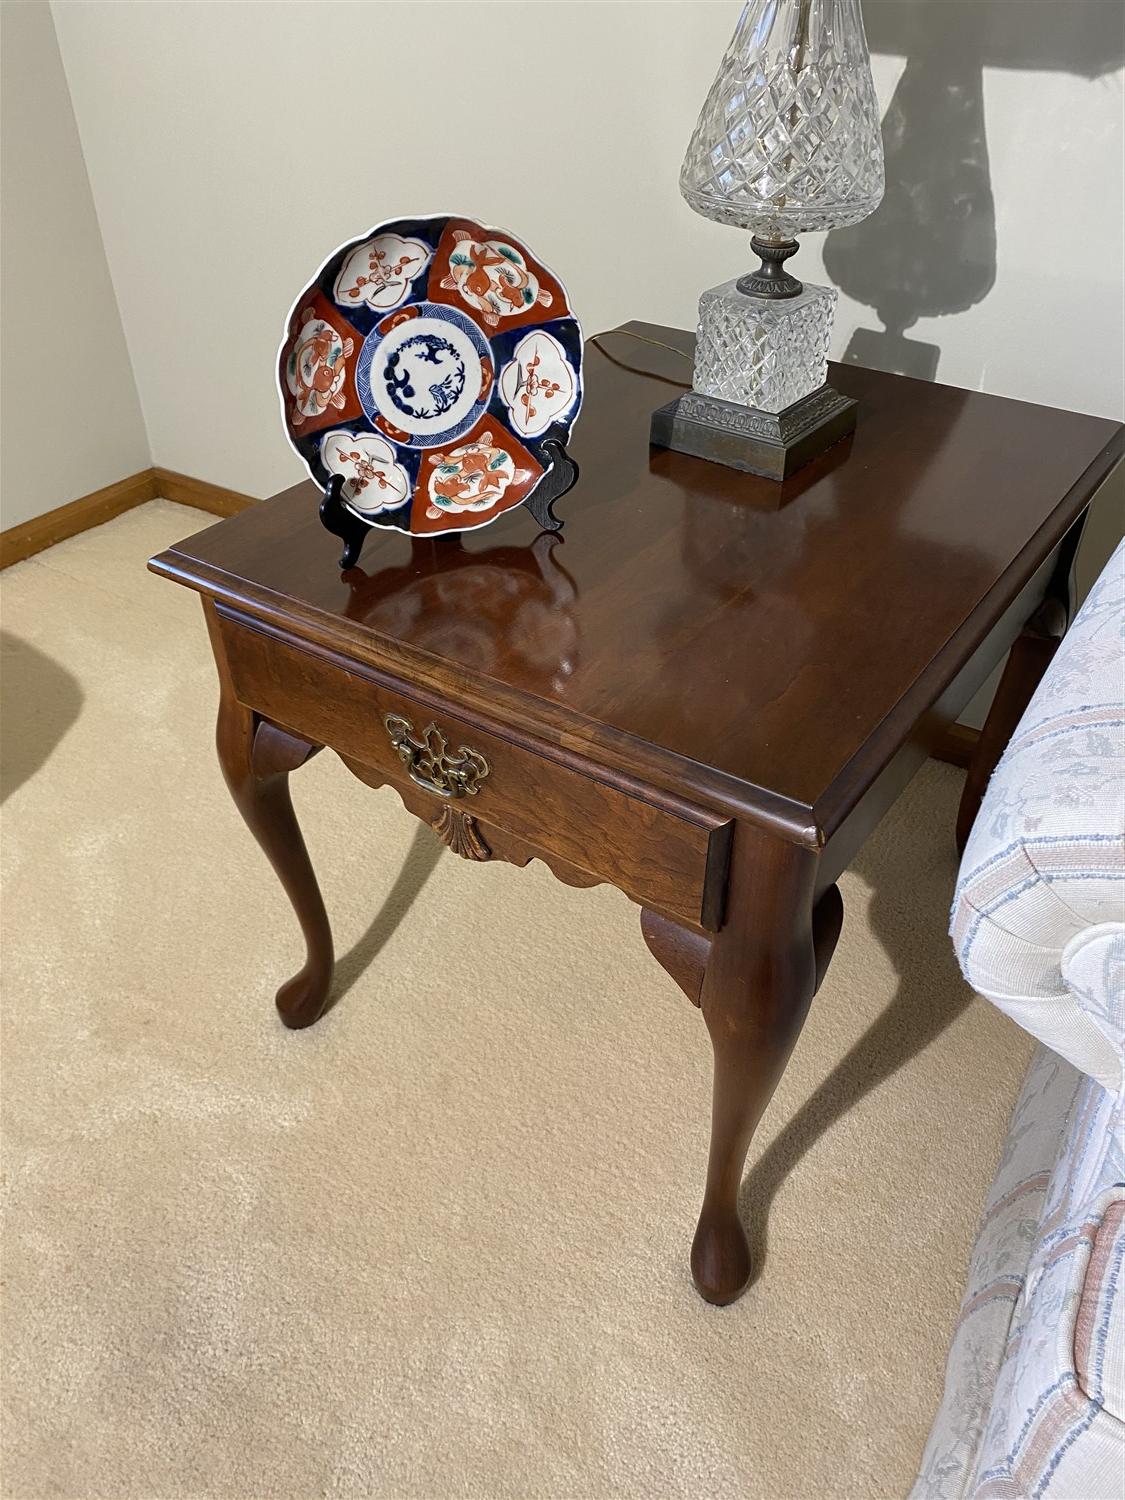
(353, 531)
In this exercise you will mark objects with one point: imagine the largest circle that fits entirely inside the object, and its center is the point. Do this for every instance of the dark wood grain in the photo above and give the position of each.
(1030, 656)
(708, 694)
(703, 636)
(682, 953)
(761, 975)
(957, 746)
(256, 759)
(661, 851)
(499, 842)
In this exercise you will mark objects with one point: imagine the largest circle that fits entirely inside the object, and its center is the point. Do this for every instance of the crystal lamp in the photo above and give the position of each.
(787, 141)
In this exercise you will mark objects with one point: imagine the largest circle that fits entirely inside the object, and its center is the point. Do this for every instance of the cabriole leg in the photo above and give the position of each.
(256, 758)
(761, 972)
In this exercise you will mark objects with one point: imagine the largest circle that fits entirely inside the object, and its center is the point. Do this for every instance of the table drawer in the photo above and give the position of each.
(662, 852)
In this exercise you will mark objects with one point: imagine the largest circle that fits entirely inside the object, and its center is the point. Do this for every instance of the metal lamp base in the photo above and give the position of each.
(773, 444)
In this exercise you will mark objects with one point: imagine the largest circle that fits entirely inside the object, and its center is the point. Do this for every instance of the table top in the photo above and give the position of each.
(683, 613)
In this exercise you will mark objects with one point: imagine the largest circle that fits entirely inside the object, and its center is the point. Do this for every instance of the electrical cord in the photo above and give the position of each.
(641, 339)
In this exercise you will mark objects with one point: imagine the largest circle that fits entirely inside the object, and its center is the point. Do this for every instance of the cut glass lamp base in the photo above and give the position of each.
(774, 444)
(762, 352)
(758, 400)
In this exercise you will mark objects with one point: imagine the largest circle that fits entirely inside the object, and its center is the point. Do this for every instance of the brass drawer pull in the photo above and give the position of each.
(429, 762)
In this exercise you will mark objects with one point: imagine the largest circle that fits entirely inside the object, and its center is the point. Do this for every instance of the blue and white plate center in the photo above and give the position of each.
(425, 376)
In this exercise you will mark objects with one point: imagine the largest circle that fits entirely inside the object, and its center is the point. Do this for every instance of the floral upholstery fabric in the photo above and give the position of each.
(1034, 1403)
(1034, 1400)
(1039, 914)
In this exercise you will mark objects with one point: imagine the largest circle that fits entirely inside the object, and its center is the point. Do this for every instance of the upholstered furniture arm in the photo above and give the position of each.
(1038, 918)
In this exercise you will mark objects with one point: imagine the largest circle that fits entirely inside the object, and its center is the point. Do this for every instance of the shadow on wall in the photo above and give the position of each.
(930, 250)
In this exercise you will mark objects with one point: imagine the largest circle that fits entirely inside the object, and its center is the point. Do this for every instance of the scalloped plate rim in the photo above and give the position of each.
(350, 244)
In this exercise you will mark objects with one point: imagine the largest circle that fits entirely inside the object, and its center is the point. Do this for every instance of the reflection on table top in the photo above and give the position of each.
(682, 607)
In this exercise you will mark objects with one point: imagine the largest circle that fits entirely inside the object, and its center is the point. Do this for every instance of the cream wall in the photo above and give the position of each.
(72, 420)
(230, 147)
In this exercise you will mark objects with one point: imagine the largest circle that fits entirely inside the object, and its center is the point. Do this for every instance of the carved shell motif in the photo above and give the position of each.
(459, 830)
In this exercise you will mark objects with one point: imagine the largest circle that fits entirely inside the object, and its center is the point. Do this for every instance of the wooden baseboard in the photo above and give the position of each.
(957, 745)
(25, 540)
(200, 493)
(32, 536)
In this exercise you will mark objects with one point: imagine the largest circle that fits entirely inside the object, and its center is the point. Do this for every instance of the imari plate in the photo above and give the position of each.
(425, 364)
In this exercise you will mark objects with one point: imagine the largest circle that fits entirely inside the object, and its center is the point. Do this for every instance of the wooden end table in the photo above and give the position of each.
(708, 693)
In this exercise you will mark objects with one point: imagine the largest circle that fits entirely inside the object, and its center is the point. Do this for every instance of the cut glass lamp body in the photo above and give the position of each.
(787, 141)
(788, 137)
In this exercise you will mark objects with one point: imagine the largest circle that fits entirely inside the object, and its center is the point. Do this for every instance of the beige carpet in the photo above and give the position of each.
(437, 1245)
